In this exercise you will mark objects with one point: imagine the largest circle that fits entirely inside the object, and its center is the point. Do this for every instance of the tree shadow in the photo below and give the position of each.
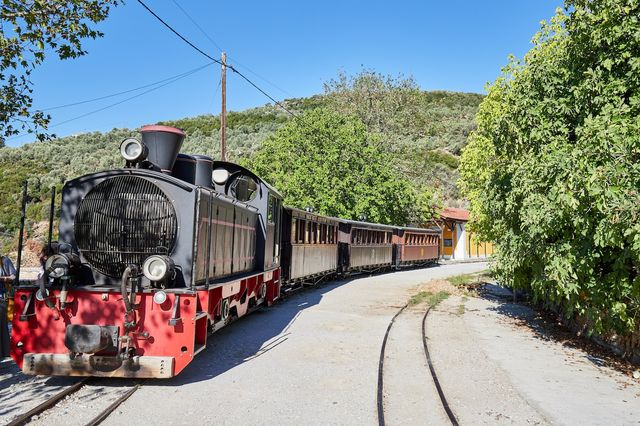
(19, 392)
(548, 326)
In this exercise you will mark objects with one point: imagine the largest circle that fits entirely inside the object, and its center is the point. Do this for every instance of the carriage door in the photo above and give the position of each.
(275, 219)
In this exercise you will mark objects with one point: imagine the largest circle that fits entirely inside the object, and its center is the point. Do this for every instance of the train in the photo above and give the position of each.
(154, 257)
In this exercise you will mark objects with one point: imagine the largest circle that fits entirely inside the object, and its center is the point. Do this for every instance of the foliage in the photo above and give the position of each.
(424, 131)
(427, 161)
(553, 169)
(332, 163)
(29, 29)
(432, 299)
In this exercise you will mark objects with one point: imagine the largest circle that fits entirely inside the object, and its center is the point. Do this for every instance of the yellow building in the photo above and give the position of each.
(457, 242)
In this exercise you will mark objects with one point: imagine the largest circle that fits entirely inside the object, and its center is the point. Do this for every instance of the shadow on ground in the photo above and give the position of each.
(547, 326)
(245, 339)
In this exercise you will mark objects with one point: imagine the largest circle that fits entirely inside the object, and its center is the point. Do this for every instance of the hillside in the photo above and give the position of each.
(427, 142)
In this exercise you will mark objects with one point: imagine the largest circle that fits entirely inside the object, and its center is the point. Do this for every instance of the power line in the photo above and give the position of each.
(193, 21)
(213, 59)
(124, 91)
(172, 80)
(197, 26)
(275, 86)
(177, 33)
(259, 89)
(132, 97)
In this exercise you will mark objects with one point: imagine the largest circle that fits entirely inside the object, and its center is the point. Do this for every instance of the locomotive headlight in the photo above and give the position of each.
(58, 265)
(159, 297)
(133, 150)
(157, 267)
(220, 176)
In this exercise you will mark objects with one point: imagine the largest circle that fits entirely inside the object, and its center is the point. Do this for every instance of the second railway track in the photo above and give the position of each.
(382, 419)
(41, 412)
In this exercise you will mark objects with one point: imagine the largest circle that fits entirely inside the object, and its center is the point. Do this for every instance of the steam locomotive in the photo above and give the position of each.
(154, 257)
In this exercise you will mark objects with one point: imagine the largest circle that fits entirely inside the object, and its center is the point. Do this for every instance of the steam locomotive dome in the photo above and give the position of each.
(122, 221)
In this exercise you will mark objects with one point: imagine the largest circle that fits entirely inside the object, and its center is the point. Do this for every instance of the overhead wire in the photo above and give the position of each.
(165, 82)
(233, 59)
(178, 34)
(231, 67)
(193, 21)
(132, 97)
(122, 92)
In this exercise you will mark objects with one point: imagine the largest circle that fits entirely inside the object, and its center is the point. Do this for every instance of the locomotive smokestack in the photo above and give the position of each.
(163, 143)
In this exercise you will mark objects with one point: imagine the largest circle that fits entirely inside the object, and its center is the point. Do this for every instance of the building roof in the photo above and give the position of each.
(453, 213)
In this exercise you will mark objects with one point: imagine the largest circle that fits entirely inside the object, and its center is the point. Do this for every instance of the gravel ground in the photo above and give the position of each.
(19, 393)
(478, 391)
(410, 396)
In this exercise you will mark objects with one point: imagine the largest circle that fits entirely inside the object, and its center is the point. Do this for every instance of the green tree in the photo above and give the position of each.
(424, 131)
(331, 163)
(383, 103)
(30, 28)
(553, 169)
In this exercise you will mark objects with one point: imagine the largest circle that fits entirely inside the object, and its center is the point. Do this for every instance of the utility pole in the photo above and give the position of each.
(223, 111)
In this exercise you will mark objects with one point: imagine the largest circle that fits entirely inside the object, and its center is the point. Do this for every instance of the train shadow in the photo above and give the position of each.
(251, 336)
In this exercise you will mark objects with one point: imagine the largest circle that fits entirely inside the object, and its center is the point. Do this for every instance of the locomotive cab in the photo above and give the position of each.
(240, 183)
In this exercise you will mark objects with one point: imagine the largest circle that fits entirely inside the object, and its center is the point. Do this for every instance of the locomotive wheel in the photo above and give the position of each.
(224, 311)
(263, 290)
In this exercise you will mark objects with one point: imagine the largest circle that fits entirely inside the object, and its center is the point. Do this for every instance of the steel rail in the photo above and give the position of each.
(24, 418)
(380, 396)
(105, 413)
(443, 399)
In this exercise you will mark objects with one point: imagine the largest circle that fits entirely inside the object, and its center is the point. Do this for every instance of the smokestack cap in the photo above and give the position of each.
(163, 143)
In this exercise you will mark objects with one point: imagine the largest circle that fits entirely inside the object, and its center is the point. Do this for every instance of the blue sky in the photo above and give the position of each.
(294, 45)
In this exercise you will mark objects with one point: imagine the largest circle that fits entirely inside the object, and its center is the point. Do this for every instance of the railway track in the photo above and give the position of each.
(434, 376)
(52, 402)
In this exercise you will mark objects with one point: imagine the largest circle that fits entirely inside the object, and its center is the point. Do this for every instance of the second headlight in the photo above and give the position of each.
(133, 150)
(158, 267)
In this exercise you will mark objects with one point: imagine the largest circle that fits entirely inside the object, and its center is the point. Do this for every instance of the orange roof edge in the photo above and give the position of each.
(454, 213)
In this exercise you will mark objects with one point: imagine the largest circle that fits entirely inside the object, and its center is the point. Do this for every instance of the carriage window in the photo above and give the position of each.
(447, 242)
(294, 230)
(301, 227)
(270, 209)
(244, 188)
